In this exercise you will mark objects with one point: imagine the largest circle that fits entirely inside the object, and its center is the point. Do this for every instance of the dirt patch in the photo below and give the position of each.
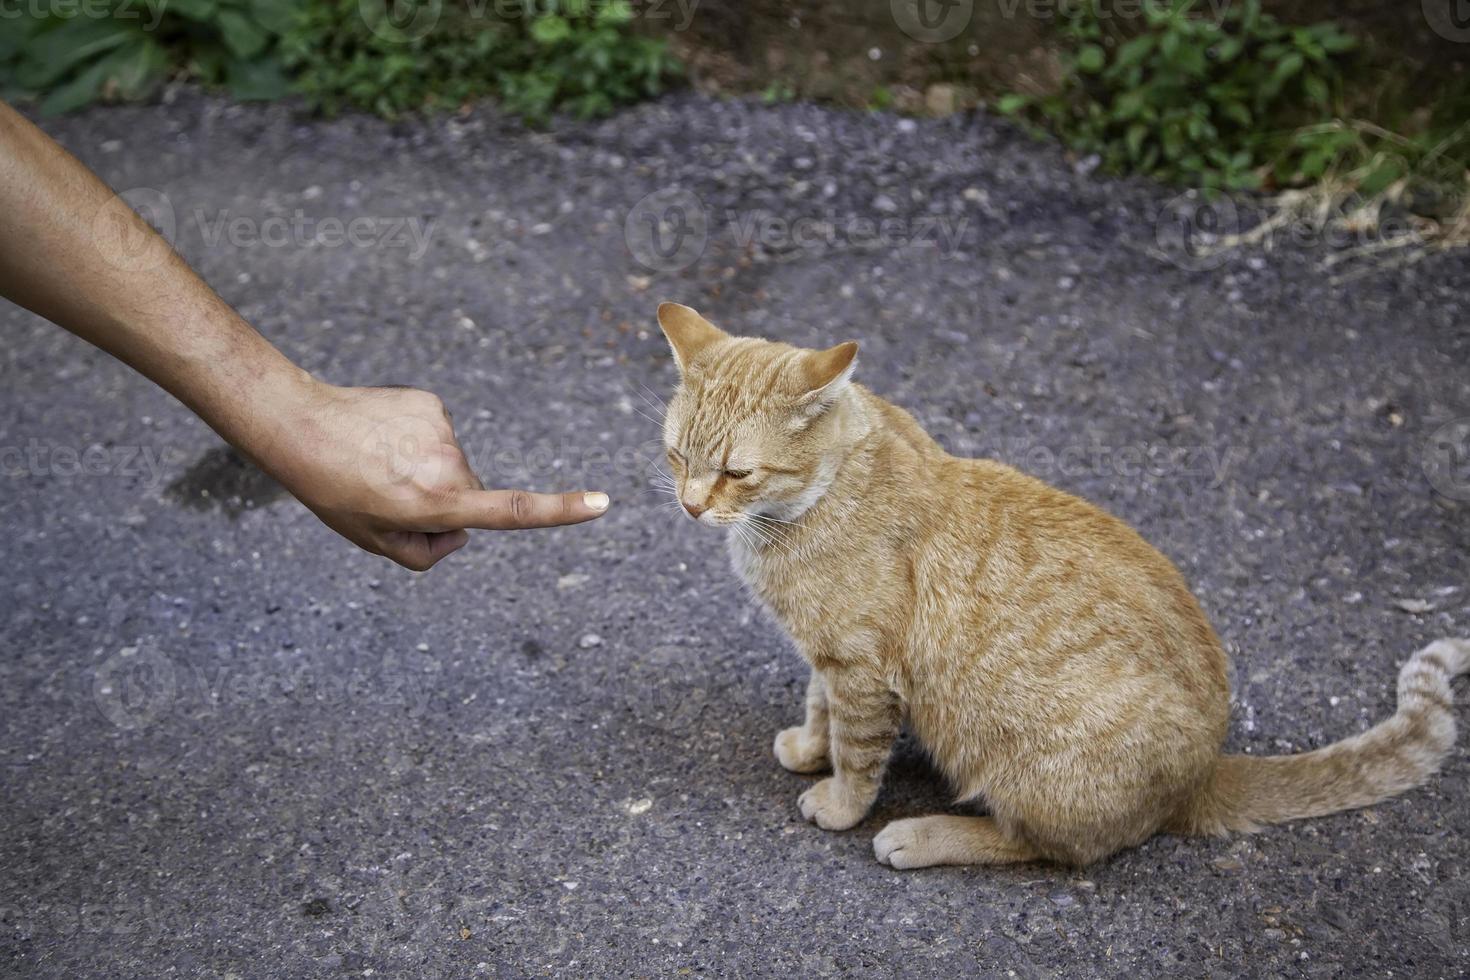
(939, 56)
(224, 480)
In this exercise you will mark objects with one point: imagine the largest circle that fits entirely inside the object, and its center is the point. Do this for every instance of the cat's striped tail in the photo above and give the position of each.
(1246, 792)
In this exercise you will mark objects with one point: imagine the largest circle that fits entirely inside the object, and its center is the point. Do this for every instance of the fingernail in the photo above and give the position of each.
(596, 501)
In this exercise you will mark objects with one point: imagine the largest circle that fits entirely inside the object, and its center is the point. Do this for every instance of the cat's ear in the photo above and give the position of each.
(825, 375)
(688, 332)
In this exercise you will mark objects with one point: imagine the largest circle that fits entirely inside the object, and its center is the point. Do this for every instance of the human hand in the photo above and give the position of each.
(382, 468)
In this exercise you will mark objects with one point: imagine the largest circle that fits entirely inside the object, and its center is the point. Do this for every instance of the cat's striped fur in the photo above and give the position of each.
(1053, 664)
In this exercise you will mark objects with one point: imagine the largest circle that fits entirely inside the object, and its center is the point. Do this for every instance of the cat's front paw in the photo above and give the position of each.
(830, 806)
(799, 752)
(903, 844)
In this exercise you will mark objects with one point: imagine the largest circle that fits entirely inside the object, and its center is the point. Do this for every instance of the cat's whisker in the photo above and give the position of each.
(650, 393)
(655, 403)
(659, 407)
(657, 422)
(766, 534)
(744, 531)
(776, 520)
(774, 531)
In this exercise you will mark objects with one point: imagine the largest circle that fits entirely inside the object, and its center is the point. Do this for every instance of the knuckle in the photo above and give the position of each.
(521, 506)
(441, 493)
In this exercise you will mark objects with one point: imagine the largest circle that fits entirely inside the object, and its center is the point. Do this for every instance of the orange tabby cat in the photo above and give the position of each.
(1053, 664)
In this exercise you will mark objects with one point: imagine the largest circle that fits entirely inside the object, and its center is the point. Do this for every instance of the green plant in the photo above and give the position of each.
(583, 57)
(70, 54)
(537, 56)
(778, 91)
(1212, 101)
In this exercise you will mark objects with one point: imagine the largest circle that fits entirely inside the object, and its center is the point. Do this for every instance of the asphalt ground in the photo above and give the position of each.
(231, 745)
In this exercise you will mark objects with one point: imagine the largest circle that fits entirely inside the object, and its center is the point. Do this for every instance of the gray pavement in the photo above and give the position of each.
(231, 745)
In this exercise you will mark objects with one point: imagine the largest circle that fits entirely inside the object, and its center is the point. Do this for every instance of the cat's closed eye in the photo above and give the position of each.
(737, 474)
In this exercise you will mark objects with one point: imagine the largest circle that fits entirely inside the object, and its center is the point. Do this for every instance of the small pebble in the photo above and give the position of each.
(589, 640)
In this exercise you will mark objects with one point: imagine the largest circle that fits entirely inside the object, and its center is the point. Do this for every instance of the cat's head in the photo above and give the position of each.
(754, 429)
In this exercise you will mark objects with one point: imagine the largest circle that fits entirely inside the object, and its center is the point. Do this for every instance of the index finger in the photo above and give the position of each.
(506, 510)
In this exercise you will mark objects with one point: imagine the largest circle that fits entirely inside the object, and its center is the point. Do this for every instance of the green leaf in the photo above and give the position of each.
(75, 93)
(617, 13)
(1134, 51)
(1250, 16)
(1380, 177)
(1011, 104)
(241, 35)
(17, 36)
(550, 29)
(1317, 90)
(1285, 68)
(1091, 58)
(1130, 105)
(1337, 42)
(53, 54)
(259, 80)
(276, 16)
(196, 10)
(1137, 133)
(1247, 180)
(1191, 61)
(1314, 164)
(137, 69)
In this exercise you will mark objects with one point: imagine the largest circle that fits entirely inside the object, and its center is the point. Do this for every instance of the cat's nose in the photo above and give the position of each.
(695, 509)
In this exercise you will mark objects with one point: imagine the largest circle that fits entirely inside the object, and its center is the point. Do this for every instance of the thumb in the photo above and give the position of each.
(504, 510)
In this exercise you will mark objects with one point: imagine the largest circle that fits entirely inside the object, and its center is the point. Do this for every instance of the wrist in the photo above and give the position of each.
(264, 413)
